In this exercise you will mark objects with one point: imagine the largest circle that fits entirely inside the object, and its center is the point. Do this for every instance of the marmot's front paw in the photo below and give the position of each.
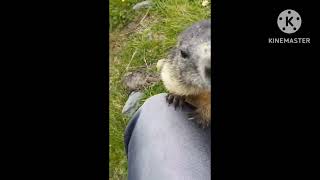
(202, 119)
(176, 100)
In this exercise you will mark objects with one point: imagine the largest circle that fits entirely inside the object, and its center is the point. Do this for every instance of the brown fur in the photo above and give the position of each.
(202, 102)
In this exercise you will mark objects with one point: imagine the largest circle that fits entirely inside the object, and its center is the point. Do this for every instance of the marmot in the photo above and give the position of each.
(186, 72)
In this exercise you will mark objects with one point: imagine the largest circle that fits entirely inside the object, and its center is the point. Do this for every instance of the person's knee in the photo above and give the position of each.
(156, 110)
(158, 100)
(151, 110)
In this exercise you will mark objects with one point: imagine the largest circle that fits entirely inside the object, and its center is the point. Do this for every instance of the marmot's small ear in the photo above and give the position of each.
(184, 54)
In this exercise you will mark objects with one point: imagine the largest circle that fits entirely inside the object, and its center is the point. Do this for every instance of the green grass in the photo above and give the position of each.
(120, 13)
(131, 49)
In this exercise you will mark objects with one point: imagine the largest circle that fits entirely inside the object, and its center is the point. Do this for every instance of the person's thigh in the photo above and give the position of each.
(162, 144)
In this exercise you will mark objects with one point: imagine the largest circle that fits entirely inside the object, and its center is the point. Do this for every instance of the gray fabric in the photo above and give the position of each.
(162, 144)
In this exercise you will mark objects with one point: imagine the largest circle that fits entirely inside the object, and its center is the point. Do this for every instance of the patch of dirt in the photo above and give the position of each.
(137, 25)
(139, 79)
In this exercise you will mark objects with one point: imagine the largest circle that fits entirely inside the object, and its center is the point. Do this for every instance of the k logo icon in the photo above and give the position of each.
(289, 21)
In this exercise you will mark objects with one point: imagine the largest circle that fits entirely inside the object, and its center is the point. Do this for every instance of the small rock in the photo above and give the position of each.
(205, 3)
(156, 37)
(132, 103)
(150, 36)
(143, 4)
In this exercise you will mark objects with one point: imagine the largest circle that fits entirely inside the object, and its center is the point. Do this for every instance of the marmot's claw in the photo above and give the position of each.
(176, 100)
(195, 116)
(169, 99)
(182, 102)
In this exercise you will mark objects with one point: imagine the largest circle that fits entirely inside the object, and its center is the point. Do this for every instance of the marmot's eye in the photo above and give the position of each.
(184, 54)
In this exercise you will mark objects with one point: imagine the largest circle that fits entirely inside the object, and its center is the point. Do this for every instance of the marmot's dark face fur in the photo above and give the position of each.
(192, 55)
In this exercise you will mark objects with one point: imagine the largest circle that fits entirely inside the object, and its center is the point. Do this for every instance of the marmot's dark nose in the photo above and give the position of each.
(207, 72)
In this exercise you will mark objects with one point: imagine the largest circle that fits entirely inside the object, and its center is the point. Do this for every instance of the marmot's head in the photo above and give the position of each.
(193, 55)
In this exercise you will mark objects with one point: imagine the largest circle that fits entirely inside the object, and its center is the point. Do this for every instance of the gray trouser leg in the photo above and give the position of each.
(162, 144)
